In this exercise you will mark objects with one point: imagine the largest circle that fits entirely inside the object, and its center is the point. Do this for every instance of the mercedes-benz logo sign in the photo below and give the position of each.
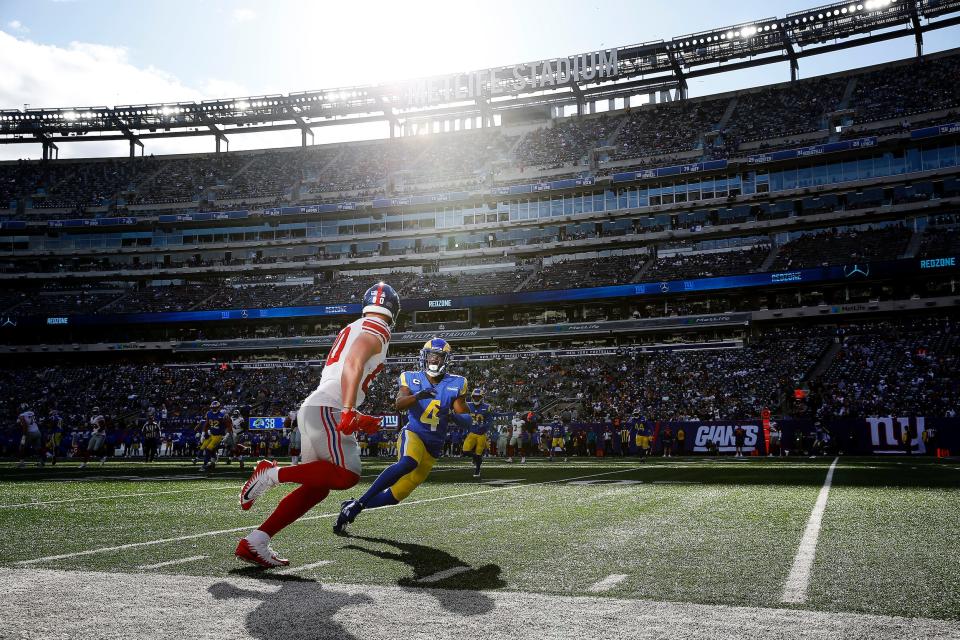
(850, 271)
(664, 287)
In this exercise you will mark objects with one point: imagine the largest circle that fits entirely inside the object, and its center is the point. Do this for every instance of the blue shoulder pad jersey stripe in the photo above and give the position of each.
(424, 418)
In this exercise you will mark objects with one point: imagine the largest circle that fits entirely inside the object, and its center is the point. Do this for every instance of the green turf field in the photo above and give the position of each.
(701, 542)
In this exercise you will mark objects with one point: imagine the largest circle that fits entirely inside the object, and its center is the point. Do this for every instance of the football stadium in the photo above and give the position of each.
(657, 340)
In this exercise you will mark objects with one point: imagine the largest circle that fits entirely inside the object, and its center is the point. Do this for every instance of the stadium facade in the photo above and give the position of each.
(797, 242)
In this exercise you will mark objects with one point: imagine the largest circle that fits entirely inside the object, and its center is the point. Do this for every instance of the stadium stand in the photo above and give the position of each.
(770, 116)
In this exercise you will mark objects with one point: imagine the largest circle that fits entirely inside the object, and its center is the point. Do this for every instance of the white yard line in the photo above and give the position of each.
(607, 583)
(304, 567)
(442, 575)
(795, 589)
(170, 563)
(205, 534)
(115, 495)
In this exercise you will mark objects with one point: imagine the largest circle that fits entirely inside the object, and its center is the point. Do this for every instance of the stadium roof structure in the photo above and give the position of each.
(581, 79)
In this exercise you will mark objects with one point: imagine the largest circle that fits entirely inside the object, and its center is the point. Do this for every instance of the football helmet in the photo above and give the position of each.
(477, 395)
(95, 410)
(434, 356)
(214, 405)
(381, 298)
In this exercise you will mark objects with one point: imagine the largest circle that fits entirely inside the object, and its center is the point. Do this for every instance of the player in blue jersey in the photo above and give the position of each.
(215, 427)
(475, 443)
(432, 399)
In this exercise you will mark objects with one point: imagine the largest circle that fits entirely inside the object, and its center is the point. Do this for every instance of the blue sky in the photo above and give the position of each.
(108, 52)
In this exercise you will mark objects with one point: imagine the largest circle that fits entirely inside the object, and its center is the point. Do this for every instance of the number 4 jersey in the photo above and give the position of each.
(328, 393)
(423, 418)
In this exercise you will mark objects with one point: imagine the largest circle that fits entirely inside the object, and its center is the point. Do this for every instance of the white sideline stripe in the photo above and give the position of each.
(117, 495)
(795, 589)
(312, 565)
(160, 493)
(205, 534)
(170, 563)
(607, 583)
(442, 575)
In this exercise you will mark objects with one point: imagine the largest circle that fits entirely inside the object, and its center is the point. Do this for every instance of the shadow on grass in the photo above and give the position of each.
(456, 585)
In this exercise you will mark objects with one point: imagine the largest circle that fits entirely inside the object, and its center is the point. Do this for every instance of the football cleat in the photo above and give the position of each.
(259, 554)
(258, 483)
(349, 510)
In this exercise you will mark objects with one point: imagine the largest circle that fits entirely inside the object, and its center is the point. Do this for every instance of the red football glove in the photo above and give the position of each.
(352, 421)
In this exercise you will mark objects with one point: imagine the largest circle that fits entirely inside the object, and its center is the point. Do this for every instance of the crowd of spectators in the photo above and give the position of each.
(565, 142)
(843, 246)
(397, 165)
(902, 90)
(833, 246)
(667, 128)
(681, 266)
(899, 368)
(591, 272)
(888, 367)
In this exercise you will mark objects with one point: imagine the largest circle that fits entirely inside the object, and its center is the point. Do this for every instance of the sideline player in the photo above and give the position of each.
(482, 421)
(151, 438)
(294, 445)
(215, 427)
(516, 446)
(53, 427)
(427, 395)
(30, 437)
(98, 436)
(237, 443)
(556, 440)
(328, 420)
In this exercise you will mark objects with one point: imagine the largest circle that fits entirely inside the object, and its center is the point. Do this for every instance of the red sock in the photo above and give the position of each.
(320, 474)
(297, 503)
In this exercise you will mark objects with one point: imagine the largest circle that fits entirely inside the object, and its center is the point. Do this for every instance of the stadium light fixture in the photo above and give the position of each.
(243, 105)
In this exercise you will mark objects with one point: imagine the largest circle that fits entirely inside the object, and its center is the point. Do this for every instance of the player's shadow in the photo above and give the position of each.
(459, 592)
(301, 608)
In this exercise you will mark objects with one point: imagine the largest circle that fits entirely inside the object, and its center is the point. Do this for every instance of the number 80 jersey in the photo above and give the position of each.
(328, 393)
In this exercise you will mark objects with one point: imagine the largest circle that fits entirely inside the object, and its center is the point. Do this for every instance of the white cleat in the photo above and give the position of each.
(256, 550)
(258, 483)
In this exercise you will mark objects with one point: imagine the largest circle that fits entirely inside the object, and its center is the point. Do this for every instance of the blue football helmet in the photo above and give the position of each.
(477, 395)
(434, 356)
(381, 298)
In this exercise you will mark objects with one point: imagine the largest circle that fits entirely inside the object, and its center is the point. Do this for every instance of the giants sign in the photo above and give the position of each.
(722, 434)
(886, 434)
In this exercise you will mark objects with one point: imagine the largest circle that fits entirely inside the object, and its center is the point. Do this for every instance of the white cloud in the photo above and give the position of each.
(88, 74)
(18, 26)
(244, 15)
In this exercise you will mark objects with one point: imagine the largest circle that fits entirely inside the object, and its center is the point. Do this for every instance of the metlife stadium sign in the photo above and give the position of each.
(528, 76)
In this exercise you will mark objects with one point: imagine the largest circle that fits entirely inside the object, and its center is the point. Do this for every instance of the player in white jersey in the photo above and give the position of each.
(30, 438)
(516, 439)
(233, 442)
(327, 421)
(98, 435)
